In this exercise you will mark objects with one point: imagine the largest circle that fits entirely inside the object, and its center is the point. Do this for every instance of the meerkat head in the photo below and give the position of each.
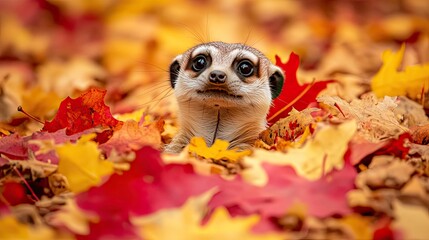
(225, 75)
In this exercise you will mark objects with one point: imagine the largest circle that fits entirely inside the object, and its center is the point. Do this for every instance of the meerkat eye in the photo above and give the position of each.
(199, 63)
(245, 68)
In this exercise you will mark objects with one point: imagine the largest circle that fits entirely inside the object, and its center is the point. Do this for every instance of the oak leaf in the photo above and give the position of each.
(293, 94)
(81, 163)
(391, 82)
(219, 150)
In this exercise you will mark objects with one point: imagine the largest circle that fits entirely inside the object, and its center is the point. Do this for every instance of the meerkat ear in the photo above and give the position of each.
(174, 72)
(276, 81)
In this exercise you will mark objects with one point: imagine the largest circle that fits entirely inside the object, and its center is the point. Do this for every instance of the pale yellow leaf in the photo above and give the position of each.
(412, 220)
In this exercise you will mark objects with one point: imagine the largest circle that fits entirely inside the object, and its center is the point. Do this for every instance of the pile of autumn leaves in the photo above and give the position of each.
(354, 170)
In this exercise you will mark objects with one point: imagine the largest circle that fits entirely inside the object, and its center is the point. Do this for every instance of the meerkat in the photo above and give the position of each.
(224, 91)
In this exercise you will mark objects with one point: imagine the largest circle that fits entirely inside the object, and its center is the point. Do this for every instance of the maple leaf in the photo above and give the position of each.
(132, 137)
(149, 186)
(293, 94)
(82, 165)
(84, 112)
(284, 188)
(219, 150)
(410, 82)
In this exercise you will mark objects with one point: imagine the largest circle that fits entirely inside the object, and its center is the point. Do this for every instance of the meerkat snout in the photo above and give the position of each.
(217, 77)
(223, 91)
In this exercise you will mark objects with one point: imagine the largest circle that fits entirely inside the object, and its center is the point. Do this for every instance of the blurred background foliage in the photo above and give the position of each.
(64, 46)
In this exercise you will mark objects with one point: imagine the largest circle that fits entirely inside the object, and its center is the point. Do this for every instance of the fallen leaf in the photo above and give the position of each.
(391, 82)
(376, 119)
(87, 111)
(285, 188)
(293, 94)
(413, 220)
(290, 127)
(185, 223)
(132, 136)
(82, 165)
(317, 157)
(150, 185)
(219, 150)
(420, 134)
(65, 78)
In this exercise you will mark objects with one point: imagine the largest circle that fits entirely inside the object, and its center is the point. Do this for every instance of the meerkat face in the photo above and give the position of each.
(225, 75)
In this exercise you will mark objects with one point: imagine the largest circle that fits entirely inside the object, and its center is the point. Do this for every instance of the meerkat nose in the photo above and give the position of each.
(217, 77)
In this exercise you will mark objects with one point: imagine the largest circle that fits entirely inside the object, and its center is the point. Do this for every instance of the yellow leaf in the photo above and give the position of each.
(82, 165)
(219, 150)
(11, 229)
(15, 229)
(135, 116)
(319, 155)
(39, 103)
(360, 226)
(185, 223)
(410, 82)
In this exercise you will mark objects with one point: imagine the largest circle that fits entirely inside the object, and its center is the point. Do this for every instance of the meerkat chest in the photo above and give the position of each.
(231, 124)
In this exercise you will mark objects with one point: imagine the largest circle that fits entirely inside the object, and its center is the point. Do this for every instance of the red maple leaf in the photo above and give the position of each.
(293, 94)
(85, 112)
(324, 197)
(149, 185)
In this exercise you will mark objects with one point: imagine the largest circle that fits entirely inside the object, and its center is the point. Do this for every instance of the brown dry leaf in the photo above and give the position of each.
(72, 217)
(290, 127)
(29, 169)
(420, 134)
(377, 120)
(385, 172)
